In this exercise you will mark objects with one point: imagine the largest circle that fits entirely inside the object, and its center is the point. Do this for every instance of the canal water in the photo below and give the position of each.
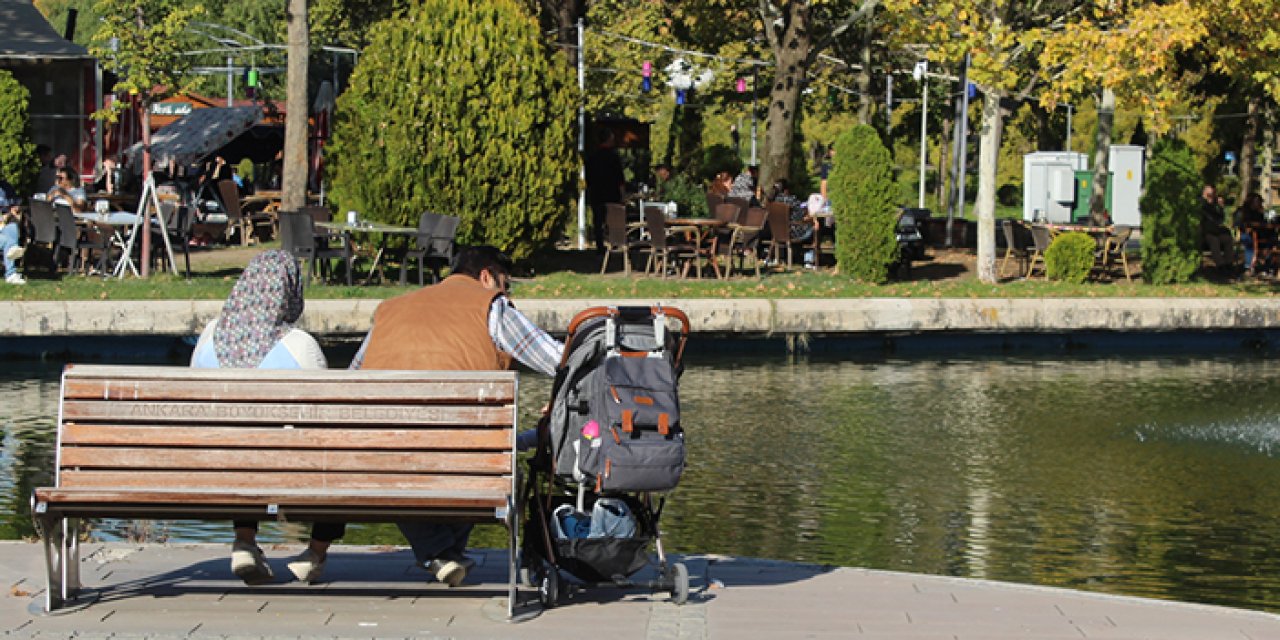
(1152, 477)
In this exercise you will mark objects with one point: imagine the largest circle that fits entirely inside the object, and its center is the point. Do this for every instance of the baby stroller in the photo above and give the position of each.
(611, 445)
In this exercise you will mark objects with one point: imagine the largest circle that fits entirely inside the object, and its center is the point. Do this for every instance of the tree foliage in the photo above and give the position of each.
(459, 108)
(147, 58)
(863, 196)
(1170, 222)
(18, 161)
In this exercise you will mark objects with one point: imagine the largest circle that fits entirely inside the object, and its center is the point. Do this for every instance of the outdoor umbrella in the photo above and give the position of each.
(196, 135)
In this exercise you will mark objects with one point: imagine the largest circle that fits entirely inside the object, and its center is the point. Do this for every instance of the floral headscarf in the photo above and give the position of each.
(262, 308)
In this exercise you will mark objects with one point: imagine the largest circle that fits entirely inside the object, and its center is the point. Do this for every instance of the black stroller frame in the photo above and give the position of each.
(601, 562)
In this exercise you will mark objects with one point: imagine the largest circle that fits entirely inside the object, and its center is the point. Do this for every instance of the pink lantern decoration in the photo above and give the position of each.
(647, 69)
(742, 85)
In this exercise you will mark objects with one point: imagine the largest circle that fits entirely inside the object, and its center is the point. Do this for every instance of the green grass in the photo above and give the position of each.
(574, 285)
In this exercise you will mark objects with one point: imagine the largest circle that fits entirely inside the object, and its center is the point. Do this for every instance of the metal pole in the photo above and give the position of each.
(582, 144)
(230, 83)
(754, 77)
(924, 130)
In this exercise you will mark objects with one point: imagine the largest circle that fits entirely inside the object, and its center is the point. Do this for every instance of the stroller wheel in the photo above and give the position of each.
(549, 587)
(680, 583)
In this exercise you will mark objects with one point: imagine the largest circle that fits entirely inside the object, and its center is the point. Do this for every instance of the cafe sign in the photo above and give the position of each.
(170, 108)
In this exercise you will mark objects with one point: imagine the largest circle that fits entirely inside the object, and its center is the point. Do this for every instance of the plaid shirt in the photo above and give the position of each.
(514, 334)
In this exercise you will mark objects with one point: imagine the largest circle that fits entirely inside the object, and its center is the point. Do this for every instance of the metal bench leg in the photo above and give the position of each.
(513, 548)
(51, 535)
(71, 558)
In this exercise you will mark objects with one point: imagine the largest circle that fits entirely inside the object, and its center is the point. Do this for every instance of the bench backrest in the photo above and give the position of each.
(389, 436)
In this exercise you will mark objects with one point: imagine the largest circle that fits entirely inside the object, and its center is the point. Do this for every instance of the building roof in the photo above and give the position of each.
(26, 35)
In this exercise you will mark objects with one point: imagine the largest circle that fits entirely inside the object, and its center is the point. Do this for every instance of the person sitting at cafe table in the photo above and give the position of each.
(109, 178)
(1256, 236)
(66, 190)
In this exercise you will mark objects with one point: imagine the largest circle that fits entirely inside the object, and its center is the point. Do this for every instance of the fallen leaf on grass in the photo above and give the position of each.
(17, 592)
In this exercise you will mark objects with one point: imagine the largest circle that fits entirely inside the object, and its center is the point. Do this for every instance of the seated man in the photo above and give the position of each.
(67, 191)
(464, 323)
(1213, 230)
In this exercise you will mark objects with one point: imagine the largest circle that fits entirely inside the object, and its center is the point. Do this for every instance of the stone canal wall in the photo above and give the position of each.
(748, 317)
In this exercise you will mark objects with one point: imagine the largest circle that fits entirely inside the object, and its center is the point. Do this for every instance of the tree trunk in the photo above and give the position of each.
(784, 103)
(1268, 157)
(988, 157)
(294, 184)
(1249, 147)
(1101, 157)
(865, 98)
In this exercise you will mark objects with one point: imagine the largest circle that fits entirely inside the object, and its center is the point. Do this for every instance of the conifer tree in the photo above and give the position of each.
(1170, 224)
(863, 196)
(459, 108)
(18, 162)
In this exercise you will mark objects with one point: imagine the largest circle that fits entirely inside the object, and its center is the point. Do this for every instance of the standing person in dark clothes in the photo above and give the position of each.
(1213, 229)
(605, 183)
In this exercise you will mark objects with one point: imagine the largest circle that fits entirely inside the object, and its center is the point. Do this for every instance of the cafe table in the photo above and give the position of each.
(121, 226)
(703, 232)
(367, 228)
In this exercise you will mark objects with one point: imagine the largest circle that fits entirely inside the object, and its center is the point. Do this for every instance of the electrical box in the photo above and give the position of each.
(1127, 164)
(1048, 191)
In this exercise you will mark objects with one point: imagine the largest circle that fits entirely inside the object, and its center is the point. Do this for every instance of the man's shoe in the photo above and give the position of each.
(307, 566)
(466, 561)
(15, 278)
(15, 253)
(448, 571)
(250, 564)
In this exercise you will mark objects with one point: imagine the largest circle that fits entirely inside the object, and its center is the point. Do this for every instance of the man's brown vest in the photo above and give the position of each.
(440, 327)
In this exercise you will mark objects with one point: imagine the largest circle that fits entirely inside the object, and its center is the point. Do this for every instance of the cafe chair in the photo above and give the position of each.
(1040, 240)
(178, 224)
(421, 244)
(237, 219)
(744, 240)
(1115, 251)
(1015, 243)
(713, 200)
(298, 237)
(44, 233)
(617, 237)
(663, 249)
(79, 244)
(444, 243)
(778, 220)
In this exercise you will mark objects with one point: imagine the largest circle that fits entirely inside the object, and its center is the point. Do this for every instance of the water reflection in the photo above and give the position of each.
(1152, 477)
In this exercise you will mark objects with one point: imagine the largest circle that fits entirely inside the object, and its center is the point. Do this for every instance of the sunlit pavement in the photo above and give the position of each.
(187, 591)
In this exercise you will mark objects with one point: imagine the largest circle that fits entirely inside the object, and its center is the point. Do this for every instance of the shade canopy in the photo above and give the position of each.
(196, 135)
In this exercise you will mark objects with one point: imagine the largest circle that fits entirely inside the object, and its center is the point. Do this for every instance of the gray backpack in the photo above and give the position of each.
(616, 416)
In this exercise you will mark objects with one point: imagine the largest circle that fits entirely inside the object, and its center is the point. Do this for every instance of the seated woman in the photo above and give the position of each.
(255, 330)
(721, 184)
(10, 244)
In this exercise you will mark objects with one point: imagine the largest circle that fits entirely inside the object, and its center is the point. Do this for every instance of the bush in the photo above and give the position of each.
(689, 194)
(460, 108)
(862, 193)
(18, 161)
(1170, 220)
(1070, 257)
(717, 158)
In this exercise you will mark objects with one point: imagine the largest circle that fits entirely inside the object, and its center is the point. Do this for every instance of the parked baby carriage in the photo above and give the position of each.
(609, 449)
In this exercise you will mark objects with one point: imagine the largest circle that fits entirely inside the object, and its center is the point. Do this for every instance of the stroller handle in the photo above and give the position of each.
(632, 313)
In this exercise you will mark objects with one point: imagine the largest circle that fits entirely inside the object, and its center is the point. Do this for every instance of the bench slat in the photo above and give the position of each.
(204, 481)
(283, 413)
(335, 499)
(128, 372)
(154, 458)
(336, 391)
(313, 437)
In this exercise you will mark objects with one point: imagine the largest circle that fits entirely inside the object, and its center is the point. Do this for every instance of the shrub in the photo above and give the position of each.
(460, 108)
(862, 193)
(717, 158)
(1070, 257)
(1170, 223)
(689, 194)
(18, 161)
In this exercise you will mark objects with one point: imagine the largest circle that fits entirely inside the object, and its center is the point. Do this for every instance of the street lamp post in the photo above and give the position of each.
(921, 69)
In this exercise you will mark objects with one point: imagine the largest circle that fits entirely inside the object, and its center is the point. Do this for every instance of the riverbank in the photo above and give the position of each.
(750, 317)
(186, 591)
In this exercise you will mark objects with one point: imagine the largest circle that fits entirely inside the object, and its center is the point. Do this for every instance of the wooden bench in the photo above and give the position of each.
(329, 445)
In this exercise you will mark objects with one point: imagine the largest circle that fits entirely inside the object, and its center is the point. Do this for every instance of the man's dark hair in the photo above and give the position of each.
(471, 261)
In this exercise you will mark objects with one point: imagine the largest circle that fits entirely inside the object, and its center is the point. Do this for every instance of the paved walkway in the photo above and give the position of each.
(187, 591)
